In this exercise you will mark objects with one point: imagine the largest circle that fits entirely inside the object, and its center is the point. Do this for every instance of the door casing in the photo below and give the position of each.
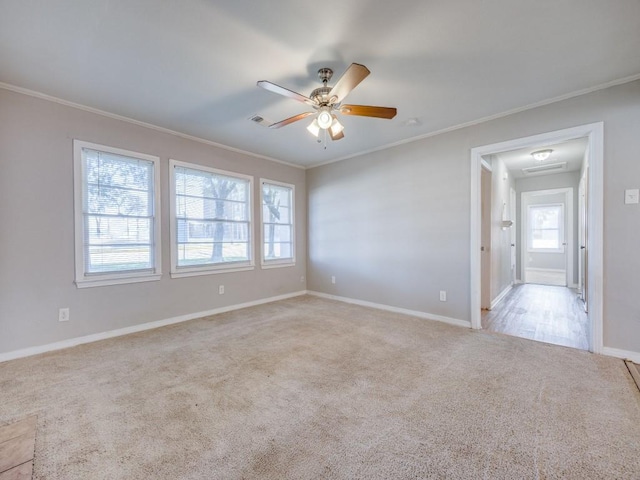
(594, 132)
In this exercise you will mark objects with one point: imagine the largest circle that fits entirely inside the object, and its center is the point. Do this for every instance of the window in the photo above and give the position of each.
(546, 228)
(117, 219)
(277, 224)
(210, 220)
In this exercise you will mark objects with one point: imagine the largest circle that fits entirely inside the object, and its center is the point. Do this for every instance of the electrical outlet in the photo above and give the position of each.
(302, 279)
(63, 315)
(333, 279)
(443, 295)
(221, 289)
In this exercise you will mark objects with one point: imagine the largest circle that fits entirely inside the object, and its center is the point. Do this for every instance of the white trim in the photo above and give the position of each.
(72, 342)
(500, 296)
(197, 270)
(43, 96)
(83, 280)
(279, 262)
(624, 354)
(602, 86)
(388, 308)
(595, 135)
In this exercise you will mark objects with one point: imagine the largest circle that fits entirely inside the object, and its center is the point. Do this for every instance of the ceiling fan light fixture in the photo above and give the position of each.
(542, 155)
(314, 128)
(324, 119)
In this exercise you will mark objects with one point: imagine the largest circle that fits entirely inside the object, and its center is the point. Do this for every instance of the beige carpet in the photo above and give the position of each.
(309, 388)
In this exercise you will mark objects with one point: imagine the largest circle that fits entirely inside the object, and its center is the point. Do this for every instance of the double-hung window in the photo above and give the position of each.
(210, 220)
(278, 235)
(546, 228)
(117, 222)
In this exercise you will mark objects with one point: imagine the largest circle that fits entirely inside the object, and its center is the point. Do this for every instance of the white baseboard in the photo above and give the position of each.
(500, 296)
(624, 354)
(388, 308)
(72, 342)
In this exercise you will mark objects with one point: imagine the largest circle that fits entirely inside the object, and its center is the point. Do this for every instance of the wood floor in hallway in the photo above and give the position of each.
(545, 313)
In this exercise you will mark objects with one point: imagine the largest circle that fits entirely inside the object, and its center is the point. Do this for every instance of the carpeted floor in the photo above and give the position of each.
(309, 388)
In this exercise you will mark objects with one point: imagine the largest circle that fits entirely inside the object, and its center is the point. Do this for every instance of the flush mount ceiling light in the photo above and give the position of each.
(326, 100)
(541, 155)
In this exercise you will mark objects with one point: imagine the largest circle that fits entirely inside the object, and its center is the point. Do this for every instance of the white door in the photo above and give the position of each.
(485, 238)
(512, 217)
(582, 235)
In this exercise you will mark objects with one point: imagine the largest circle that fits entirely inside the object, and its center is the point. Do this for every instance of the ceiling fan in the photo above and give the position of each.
(327, 100)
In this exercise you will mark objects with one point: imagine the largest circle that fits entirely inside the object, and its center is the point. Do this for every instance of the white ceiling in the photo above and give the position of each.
(192, 65)
(571, 153)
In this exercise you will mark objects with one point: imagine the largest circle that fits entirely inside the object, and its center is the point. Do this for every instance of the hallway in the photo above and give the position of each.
(544, 313)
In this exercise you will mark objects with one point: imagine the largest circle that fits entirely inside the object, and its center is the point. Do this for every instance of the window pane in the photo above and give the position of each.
(546, 239)
(278, 250)
(192, 254)
(117, 258)
(212, 218)
(277, 209)
(211, 231)
(545, 227)
(277, 233)
(116, 170)
(118, 205)
(117, 230)
(548, 217)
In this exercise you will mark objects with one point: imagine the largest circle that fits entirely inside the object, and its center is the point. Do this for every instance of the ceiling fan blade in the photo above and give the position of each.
(272, 87)
(368, 111)
(287, 121)
(348, 81)
(337, 136)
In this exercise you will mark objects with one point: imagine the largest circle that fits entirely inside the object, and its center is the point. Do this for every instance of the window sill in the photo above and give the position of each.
(103, 282)
(277, 264)
(209, 271)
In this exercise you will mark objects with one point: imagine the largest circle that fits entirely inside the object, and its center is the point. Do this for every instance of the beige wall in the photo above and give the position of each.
(37, 231)
(393, 225)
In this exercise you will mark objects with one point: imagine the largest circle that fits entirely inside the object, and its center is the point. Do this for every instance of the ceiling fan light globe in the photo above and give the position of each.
(325, 119)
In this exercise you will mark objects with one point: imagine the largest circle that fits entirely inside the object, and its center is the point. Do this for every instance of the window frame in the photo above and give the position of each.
(278, 262)
(561, 228)
(196, 270)
(82, 279)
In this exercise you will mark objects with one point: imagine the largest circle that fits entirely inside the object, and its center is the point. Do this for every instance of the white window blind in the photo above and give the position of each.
(118, 219)
(277, 223)
(212, 219)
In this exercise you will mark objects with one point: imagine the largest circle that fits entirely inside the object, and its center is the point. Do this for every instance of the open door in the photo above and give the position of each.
(583, 219)
(485, 248)
(513, 236)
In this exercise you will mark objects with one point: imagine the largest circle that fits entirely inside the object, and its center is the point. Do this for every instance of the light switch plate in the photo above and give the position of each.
(632, 196)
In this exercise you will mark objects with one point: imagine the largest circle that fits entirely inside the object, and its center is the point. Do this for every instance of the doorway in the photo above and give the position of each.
(593, 133)
(548, 237)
